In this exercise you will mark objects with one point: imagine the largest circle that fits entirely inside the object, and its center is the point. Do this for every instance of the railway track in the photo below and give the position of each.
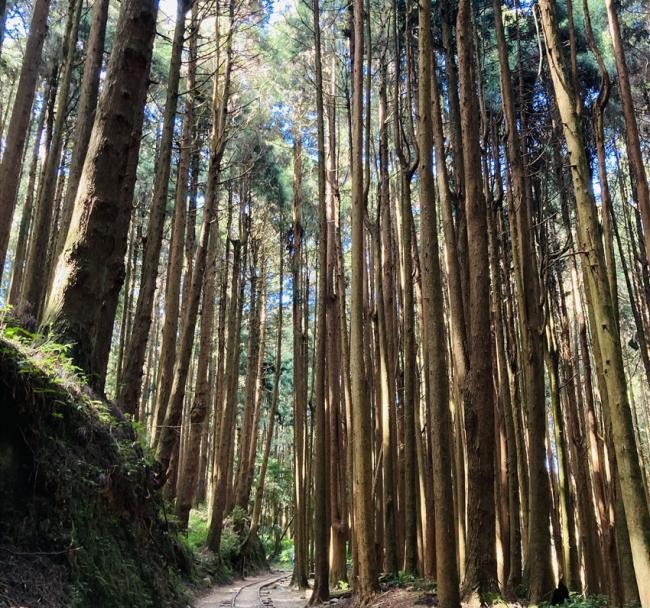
(255, 594)
(264, 593)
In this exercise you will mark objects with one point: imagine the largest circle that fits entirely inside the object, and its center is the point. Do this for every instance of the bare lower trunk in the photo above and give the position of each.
(385, 289)
(435, 338)
(322, 511)
(275, 397)
(300, 489)
(224, 448)
(361, 429)
(189, 470)
(481, 567)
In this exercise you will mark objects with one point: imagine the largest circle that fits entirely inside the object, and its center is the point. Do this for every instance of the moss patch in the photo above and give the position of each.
(82, 521)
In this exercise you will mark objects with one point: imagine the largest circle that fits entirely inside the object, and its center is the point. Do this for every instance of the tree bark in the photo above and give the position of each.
(178, 236)
(322, 510)
(300, 488)
(361, 428)
(481, 566)
(85, 116)
(221, 470)
(28, 210)
(385, 289)
(19, 122)
(90, 273)
(275, 398)
(531, 318)
(406, 171)
(221, 95)
(36, 271)
(189, 469)
(435, 338)
(131, 378)
(638, 174)
(605, 329)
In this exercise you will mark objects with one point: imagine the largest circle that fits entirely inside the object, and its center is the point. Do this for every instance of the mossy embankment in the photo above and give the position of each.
(82, 522)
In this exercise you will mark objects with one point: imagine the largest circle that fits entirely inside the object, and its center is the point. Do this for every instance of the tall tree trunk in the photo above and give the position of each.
(19, 122)
(221, 94)
(527, 285)
(90, 273)
(588, 529)
(131, 254)
(322, 512)
(28, 210)
(85, 116)
(638, 174)
(361, 427)
(178, 236)
(252, 401)
(36, 271)
(131, 379)
(435, 338)
(275, 398)
(220, 377)
(300, 488)
(385, 289)
(481, 566)
(605, 329)
(252, 351)
(458, 328)
(220, 472)
(188, 473)
(569, 552)
(407, 169)
(514, 559)
(335, 378)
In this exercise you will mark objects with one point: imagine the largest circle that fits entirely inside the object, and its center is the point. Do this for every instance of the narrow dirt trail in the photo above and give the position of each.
(268, 590)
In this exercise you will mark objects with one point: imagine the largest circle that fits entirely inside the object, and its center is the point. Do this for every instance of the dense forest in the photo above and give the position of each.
(367, 280)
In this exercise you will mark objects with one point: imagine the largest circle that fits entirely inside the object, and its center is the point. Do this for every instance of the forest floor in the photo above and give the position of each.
(269, 589)
(274, 590)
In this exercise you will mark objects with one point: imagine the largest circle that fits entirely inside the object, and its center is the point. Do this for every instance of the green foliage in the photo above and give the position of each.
(493, 599)
(580, 601)
(210, 568)
(44, 354)
(238, 553)
(284, 559)
(230, 547)
(343, 585)
(197, 529)
(403, 579)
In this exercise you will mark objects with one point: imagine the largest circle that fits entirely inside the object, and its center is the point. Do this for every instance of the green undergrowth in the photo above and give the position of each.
(211, 568)
(284, 559)
(590, 601)
(407, 581)
(239, 555)
(493, 599)
(82, 522)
